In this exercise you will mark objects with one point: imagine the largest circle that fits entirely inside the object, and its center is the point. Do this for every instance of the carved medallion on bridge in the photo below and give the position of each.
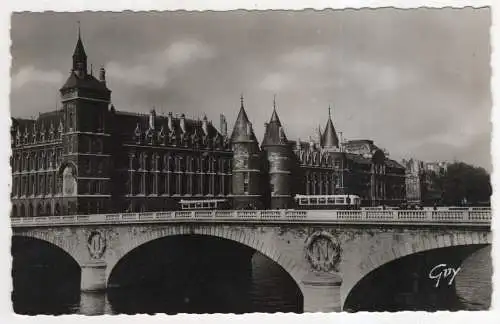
(96, 244)
(323, 252)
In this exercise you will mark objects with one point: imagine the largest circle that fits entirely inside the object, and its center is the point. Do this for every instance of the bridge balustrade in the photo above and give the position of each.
(413, 215)
(479, 216)
(247, 214)
(296, 214)
(204, 214)
(350, 214)
(380, 215)
(449, 215)
(272, 214)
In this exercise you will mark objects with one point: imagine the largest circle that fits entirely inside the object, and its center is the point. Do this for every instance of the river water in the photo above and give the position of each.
(266, 289)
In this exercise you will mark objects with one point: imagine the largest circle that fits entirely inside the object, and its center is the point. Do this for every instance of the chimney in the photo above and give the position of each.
(204, 125)
(223, 125)
(102, 75)
(152, 117)
(170, 122)
(183, 123)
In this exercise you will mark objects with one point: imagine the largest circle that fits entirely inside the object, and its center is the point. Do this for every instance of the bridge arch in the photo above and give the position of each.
(373, 261)
(56, 241)
(247, 238)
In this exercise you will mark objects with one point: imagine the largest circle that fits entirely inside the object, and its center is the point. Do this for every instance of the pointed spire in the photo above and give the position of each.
(274, 133)
(274, 116)
(242, 130)
(79, 55)
(329, 137)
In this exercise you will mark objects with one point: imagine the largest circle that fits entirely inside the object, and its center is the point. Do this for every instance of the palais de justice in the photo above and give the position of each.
(89, 157)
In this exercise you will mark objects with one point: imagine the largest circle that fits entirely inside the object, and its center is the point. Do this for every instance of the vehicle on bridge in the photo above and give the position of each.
(204, 204)
(328, 201)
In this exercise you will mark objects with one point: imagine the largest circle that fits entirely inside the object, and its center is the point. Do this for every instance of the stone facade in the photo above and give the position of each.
(420, 188)
(87, 157)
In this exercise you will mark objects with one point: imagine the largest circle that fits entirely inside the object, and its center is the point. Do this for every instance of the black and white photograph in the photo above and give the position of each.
(275, 161)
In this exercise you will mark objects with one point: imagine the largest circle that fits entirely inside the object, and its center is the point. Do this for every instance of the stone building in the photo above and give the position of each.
(88, 157)
(420, 187)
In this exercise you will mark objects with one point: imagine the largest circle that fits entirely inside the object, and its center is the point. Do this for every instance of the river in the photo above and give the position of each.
(267, 289)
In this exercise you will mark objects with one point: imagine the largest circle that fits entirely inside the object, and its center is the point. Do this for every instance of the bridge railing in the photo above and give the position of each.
(473, 217)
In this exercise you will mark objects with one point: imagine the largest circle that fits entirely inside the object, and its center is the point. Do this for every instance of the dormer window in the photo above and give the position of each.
(137, 134)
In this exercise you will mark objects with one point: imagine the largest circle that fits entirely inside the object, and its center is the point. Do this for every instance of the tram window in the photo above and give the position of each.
(339, 201)
(314, 201)
(322, 201)
(331, 201)
(303, 201)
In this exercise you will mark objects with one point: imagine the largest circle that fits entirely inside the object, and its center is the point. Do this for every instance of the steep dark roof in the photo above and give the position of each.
(79, 52)
(87, 81)
(243, 130)
(329, 138)
(274, 133)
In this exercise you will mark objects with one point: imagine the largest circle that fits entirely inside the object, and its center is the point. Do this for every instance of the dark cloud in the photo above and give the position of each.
(415, 81)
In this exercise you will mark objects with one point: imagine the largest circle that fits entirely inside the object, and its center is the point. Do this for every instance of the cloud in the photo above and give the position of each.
(29, 74)
(277, 81)
(153, 69)
(306, 57)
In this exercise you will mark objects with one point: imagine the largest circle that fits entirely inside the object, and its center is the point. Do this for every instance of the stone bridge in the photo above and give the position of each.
(325, 252)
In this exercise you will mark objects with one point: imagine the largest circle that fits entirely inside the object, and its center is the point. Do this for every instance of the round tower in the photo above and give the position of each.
(280, 163)
(246, 170)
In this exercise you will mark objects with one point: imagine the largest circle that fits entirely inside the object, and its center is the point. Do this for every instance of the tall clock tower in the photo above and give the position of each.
(86, 165)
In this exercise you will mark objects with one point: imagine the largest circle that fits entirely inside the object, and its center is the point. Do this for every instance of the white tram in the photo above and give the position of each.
(203, 204)
(328, 201)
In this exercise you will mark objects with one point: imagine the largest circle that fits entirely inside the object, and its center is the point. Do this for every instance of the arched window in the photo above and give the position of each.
(48, 210)
(22, 211)
(69, 182)
(30, 210)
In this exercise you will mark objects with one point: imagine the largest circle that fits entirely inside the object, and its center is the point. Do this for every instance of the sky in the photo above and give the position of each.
(416, 82)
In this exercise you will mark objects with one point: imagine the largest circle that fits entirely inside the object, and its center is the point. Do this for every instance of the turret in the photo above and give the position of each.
(280, 163)
(246, 178)
(329, 139)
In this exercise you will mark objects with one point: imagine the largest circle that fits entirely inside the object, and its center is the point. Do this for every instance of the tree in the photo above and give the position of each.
(463, 184)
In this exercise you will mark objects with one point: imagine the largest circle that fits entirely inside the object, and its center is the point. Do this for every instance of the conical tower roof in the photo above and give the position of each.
(243, 130)
(79, 55)
(274, 133)
(329, 138)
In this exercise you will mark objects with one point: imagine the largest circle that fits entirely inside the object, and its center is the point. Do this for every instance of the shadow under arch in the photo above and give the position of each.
(46, 278)
(404, 283)
(197, 273)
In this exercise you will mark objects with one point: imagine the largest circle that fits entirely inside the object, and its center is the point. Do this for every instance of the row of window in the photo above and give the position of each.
(178, 184)
(33, 185)
(45, 185)
(178, 163)
(40, 160)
